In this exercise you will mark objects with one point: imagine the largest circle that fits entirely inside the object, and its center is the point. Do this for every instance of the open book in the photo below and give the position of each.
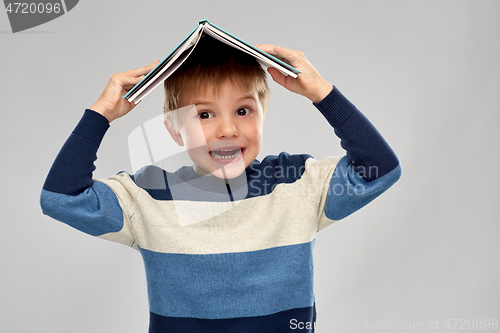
(168, 65)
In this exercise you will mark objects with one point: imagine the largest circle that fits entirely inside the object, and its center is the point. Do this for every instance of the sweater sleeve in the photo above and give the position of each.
(69, 193)
(370, 166)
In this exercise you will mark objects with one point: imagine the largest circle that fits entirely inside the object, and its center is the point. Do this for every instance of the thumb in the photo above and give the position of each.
(134, 80)
(130, 81)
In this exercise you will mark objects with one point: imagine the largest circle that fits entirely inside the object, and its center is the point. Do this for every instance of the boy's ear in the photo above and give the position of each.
(174, 132)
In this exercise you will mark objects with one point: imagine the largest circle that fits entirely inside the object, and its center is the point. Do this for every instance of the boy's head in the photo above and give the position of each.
(228, 96)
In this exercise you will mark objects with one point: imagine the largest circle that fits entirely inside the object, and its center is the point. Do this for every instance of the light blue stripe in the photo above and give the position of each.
(95, 211)
(230, 285)
(348, 192)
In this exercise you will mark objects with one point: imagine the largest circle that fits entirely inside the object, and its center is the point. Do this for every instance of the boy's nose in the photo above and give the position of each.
(227, 128)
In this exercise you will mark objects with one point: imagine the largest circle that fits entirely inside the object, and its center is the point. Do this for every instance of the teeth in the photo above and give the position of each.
(216, 155)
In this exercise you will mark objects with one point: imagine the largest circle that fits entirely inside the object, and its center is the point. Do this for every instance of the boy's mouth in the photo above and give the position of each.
(226, 154)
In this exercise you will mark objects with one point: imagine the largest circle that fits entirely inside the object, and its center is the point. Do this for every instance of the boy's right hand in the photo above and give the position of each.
(111, 104)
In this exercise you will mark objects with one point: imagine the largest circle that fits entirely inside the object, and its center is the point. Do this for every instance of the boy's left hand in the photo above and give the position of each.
(309, 83)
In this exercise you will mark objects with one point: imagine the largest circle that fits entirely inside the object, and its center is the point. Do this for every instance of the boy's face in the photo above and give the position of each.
(223, 132)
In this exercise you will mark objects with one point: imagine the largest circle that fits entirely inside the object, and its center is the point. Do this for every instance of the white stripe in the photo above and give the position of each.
(290, 215)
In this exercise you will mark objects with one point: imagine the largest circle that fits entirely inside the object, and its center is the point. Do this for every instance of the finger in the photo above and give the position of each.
(270, 49)
(135, 80)
(129, 81)
(289, 56)
(266, 48)
(275, 49)
(143, 70)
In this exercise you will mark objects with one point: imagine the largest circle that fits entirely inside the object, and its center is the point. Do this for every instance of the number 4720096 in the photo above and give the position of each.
(32, 8)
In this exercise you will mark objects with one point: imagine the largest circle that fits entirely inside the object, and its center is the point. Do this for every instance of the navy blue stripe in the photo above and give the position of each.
(281, 322)
(261, 179)
(366, 149)
(264, 176)
(71, 172)
(335, 108)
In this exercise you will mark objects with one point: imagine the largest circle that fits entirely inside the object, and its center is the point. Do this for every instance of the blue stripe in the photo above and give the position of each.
(72, 170)
(285, 321)
(96, 211)
(364, 145)
(230, 285)
(348, 191)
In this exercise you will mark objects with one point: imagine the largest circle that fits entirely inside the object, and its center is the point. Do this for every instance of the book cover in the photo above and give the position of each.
(179, 54)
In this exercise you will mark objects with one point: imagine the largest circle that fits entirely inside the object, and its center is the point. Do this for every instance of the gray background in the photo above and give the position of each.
(427, 73)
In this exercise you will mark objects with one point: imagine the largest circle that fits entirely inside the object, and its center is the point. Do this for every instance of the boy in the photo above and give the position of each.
(226, 243)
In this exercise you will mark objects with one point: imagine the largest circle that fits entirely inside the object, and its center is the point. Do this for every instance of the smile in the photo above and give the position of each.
(226, 154)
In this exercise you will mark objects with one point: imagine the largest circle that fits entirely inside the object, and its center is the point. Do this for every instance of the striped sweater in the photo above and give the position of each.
(224, 255)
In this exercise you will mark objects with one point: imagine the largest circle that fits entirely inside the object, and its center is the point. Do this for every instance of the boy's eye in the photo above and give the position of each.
(204, 115)
(243, 111)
